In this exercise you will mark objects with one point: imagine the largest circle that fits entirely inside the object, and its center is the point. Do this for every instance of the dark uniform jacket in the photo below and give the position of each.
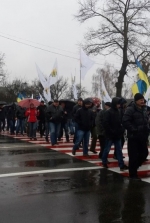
(75, 109)
(54, 114)
(85, 118)
(20, 113)
(41, 109)
(112, 121)
(135, 120)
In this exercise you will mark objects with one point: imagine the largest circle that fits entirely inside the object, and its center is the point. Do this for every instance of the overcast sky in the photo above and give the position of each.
(47, 22)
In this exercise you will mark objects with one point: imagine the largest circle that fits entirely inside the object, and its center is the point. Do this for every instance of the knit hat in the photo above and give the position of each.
(138, 96)
(108, 104)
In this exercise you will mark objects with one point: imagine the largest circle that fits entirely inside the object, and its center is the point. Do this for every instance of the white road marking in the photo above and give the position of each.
(48, 171)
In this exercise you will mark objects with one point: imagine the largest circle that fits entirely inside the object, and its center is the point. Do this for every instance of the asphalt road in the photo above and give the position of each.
(72, 192)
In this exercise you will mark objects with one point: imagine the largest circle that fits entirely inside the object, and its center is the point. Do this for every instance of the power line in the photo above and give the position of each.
(39, 43)
(36, 47)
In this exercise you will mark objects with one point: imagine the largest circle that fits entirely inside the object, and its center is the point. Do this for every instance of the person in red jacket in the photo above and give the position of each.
(31, 114)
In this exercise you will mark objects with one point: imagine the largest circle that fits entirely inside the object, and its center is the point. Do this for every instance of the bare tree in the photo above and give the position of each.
(59, 89)
(124, 30)
(110, 75)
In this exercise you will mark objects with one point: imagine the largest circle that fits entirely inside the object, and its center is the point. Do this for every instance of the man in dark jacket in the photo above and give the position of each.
(100, 127)
(41, 109)
(113, 130)
(75, 109)
(11, 115)
(95, 109)
(2, 118)
(135, 120)
(84, 118)
(20, 117)
(54, 114)
(64, 124)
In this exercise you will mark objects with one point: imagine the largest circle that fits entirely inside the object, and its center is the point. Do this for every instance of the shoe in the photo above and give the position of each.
(135, 178)
(100, 156)
(59, 139)
(35, 139)
(73, 152)
(46, 138)
(124, 168)
(41, 136)
(104, 165)
(86, 155)
(114, 157)
(93, 151)
(30, 138)
(67, 140)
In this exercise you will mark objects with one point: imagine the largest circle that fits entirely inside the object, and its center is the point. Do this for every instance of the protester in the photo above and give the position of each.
(84, 119)
(64, 123)
(20, 117)
(11, 118)
(113, 130)
(41, 117)
(99, 121)
(95, 109)
(135, 120)
(2, 118)
(123, 105)
(54, 114)
(75, 109)
(32, 114)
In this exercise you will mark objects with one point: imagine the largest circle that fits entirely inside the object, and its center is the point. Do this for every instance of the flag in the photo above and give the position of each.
(46, 82)
(40, 98)
(139, 87)
(19, 97)
(43, 80)
(75, 91)
(104, 94)
(85, 64)
(147, 96)
(54, 74)
(142, 74)
(32, 96)
(47, 95)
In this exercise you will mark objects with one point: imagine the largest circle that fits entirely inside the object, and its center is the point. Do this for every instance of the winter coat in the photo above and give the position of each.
(31, 114)
(112, 121)
(2, 113)
(20, 113)
(54, 114)
(11, 113)
(135, 120)
(85, 118)
(99, 121)
(95, 112)
(41, 109)
(75, 109)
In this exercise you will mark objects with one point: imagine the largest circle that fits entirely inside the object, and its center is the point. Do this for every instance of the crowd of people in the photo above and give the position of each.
(84, 121)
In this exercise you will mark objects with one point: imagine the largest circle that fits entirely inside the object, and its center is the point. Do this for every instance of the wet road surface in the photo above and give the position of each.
(91, 196)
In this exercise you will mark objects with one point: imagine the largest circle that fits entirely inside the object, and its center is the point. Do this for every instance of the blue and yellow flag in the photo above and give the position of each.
(19, 97)
(142, 74)
(139, 87)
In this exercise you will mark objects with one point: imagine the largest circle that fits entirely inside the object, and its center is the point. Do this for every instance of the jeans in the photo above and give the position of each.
(42, 127)
(2, 124)
(76, 130)
(32, 129)
(94, 138)
(54, 131)
(118, 146)
(64, 126)
(85, 136)
(12, 126)
(20, 125)
(71, 126)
